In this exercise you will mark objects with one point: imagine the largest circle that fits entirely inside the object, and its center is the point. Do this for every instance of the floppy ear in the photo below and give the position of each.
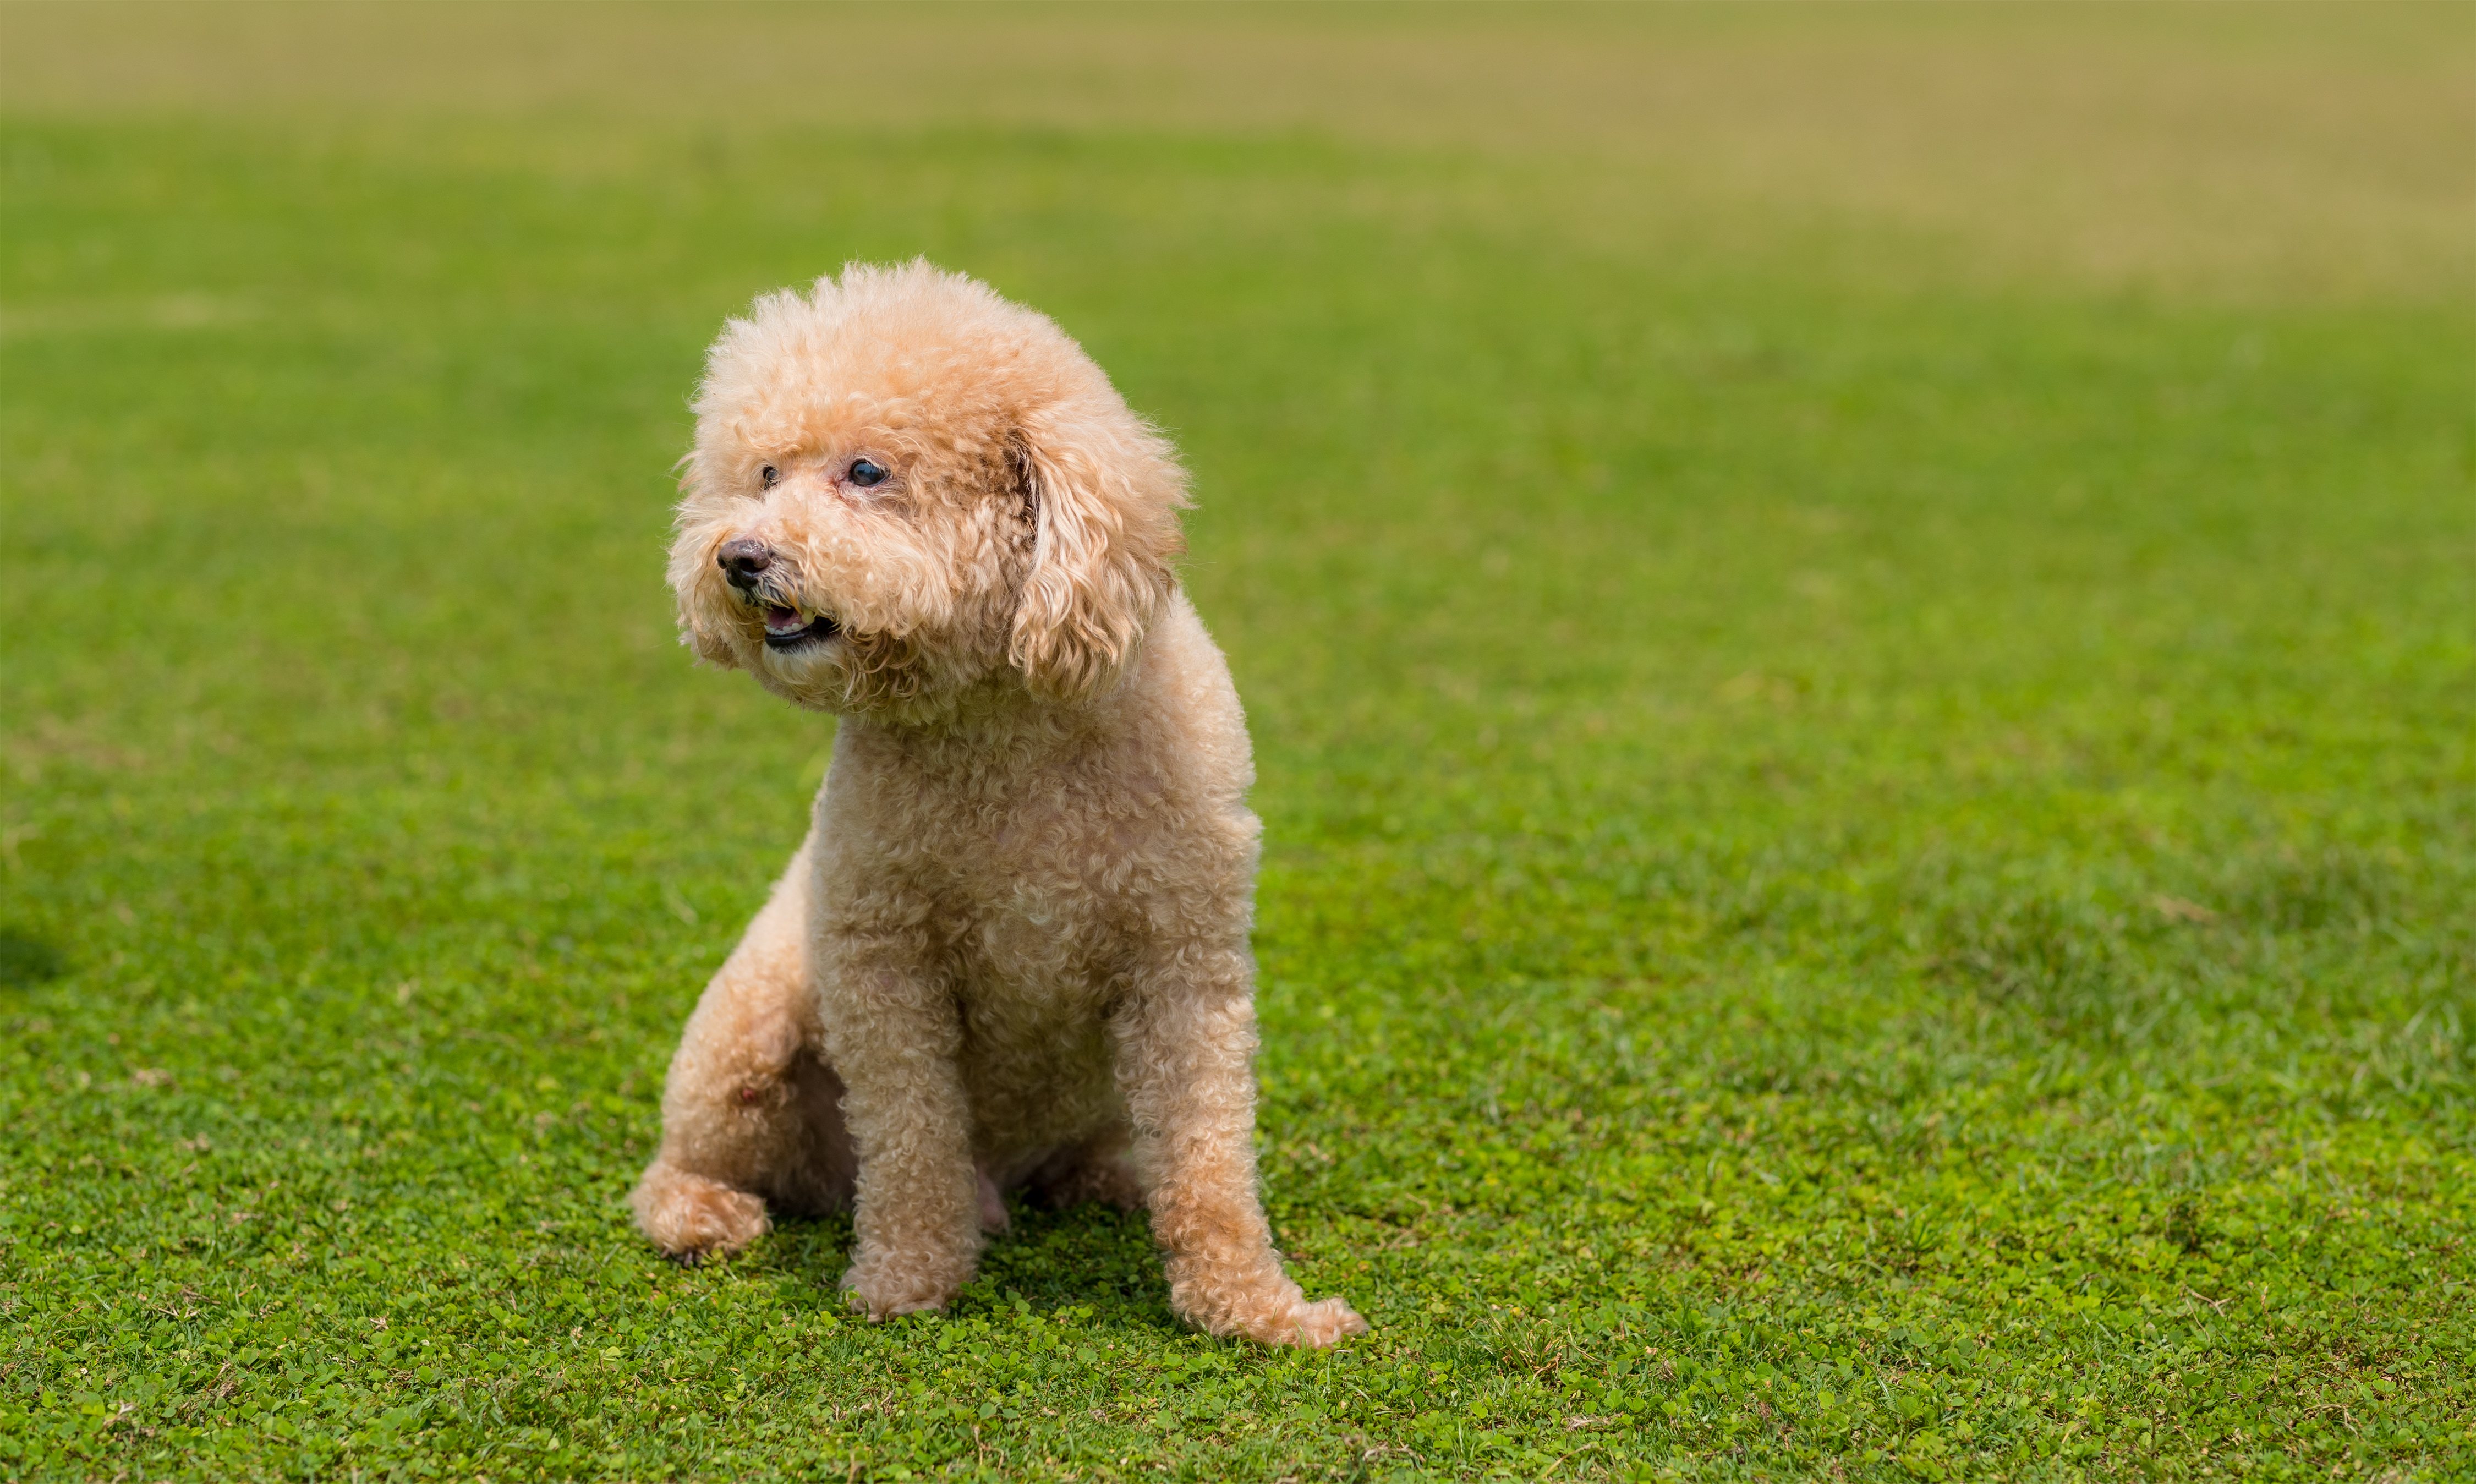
(1104, 492)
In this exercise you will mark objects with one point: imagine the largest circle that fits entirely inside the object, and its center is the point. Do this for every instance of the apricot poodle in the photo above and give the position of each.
(1012, 952)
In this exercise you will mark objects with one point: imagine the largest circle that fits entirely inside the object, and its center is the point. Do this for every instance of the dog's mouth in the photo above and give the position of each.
(786, 629)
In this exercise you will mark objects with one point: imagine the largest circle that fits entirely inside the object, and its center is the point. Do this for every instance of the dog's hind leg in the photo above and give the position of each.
(751, 1110)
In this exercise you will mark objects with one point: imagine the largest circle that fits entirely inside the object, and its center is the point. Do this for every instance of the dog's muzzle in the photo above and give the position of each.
(744, 563)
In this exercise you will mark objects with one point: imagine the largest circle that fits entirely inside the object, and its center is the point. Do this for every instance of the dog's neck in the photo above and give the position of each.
(998, 730)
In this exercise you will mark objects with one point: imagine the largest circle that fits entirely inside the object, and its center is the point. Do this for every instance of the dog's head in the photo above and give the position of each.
(905, 486)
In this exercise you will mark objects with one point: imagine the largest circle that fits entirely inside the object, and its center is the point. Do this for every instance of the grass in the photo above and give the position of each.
(1866, 742)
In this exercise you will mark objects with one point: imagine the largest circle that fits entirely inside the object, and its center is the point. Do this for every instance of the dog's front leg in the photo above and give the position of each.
(891, 1024)
(1185, 1040)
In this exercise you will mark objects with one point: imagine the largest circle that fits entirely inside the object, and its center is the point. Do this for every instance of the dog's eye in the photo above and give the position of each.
(771, 476)
(866, 472)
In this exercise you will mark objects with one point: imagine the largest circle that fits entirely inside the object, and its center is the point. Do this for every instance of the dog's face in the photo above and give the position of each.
(905, 487)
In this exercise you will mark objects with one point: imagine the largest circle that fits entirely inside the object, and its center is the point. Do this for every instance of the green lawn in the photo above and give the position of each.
(1866, 722)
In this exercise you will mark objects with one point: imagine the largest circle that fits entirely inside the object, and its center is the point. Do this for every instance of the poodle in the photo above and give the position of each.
(1012, 952)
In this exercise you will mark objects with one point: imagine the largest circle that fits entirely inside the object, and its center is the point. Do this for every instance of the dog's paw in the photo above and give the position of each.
(1310, 1326)
(887, 1289)
(1326, 1322)
(690, 1217)
(1270, 1314)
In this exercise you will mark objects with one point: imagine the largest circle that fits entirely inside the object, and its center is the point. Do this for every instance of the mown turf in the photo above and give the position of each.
(1870, 841)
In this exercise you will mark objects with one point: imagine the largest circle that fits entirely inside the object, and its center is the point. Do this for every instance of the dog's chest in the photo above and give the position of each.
(1039, 886)
(1040, 947)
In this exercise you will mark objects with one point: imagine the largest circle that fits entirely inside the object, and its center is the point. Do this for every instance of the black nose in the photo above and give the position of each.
(742, 559)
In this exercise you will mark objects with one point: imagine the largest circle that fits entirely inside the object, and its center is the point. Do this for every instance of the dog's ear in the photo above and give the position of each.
(1104, 492)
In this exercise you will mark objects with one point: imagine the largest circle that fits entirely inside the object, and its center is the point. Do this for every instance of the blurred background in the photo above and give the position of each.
(1857, 620)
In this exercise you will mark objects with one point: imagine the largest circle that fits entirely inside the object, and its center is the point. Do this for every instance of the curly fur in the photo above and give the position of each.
(1012, 952)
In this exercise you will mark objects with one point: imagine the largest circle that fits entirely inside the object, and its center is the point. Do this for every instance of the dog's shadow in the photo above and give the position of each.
(1093, 1256)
